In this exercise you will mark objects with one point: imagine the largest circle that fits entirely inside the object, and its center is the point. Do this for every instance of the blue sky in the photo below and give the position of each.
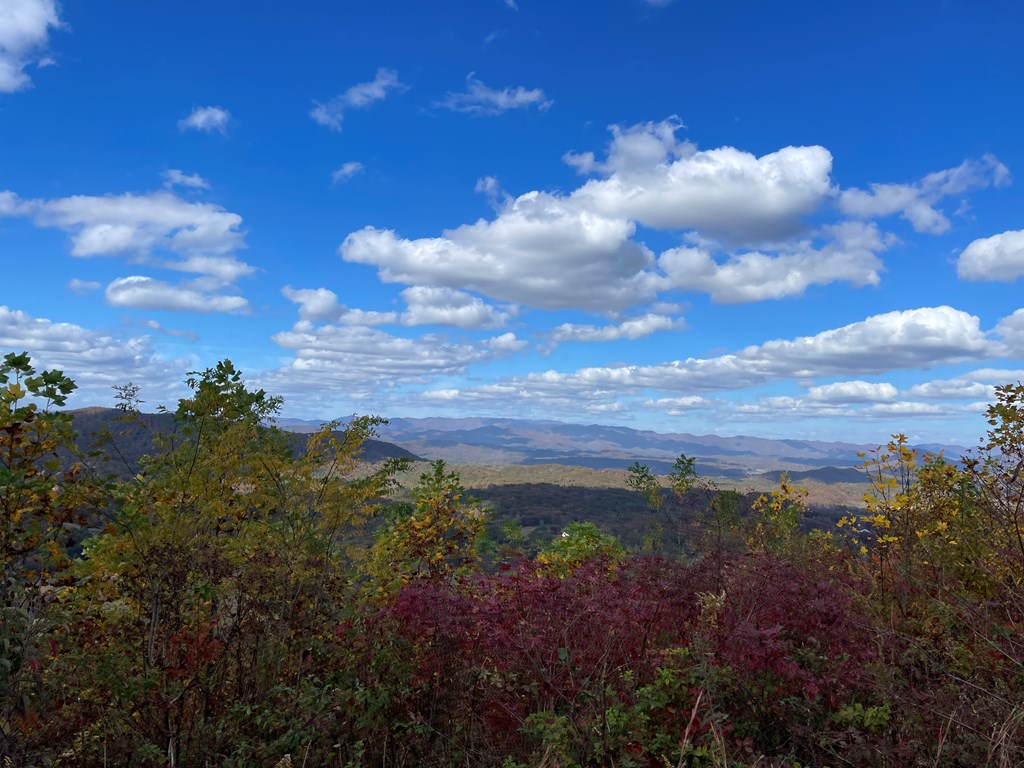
(785, 219)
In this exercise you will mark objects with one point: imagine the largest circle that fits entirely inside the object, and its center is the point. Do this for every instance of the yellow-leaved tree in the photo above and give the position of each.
(434, 538)
(777, 517)
(920, 522)
(44, 500)
(997, 470)
(208, 594)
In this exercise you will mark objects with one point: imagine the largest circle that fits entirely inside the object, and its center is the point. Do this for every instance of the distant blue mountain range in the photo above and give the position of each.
(520, 441)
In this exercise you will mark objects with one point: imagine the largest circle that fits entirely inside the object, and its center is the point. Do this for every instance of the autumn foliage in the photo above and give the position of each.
(234, 604)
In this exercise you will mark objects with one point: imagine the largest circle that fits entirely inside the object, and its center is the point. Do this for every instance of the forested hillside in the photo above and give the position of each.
(243, 603)
(117, 444)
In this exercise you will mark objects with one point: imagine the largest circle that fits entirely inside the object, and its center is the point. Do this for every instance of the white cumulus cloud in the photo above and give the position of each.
(96, 360)
(540, 251)
(346, 172)
(82, 287)
(578, 250)
(918, 202)
(478, 99)
(432, 305)
(198, 237)
(135, 225)
(206, 120)
(24, 31)
(976, 385)
(658, 181)
(911, 339)
(1000, 257)
(177, 178)
(853, 392)
(631, 328)
(903, 408)
(216, 271)
(505, 344)
(787, 408)
(366, 354)
(850, 255)
(681, 406)
(908, 339)
(743, 221)
(425, 305)
(10, 204)
(356, 363)
(1011, 329)
(139, 292)
(331, 114)
(322, 305)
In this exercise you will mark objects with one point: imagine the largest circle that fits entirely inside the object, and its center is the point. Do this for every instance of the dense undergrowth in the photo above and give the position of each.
(234, 604)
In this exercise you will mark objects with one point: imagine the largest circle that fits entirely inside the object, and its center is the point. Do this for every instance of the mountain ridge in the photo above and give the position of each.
(482, 440)
(135, 437)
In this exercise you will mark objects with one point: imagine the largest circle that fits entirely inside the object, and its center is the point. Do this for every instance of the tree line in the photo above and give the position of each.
(237, 603)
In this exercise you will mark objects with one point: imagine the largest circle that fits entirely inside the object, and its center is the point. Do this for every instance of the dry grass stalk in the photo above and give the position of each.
(686, 734)
(1003, 742)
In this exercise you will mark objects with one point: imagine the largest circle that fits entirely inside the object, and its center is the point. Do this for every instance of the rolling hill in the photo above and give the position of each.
(135, 438)
(523, 442)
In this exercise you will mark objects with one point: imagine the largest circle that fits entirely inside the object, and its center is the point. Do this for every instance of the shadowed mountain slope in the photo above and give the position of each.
(122, 441)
